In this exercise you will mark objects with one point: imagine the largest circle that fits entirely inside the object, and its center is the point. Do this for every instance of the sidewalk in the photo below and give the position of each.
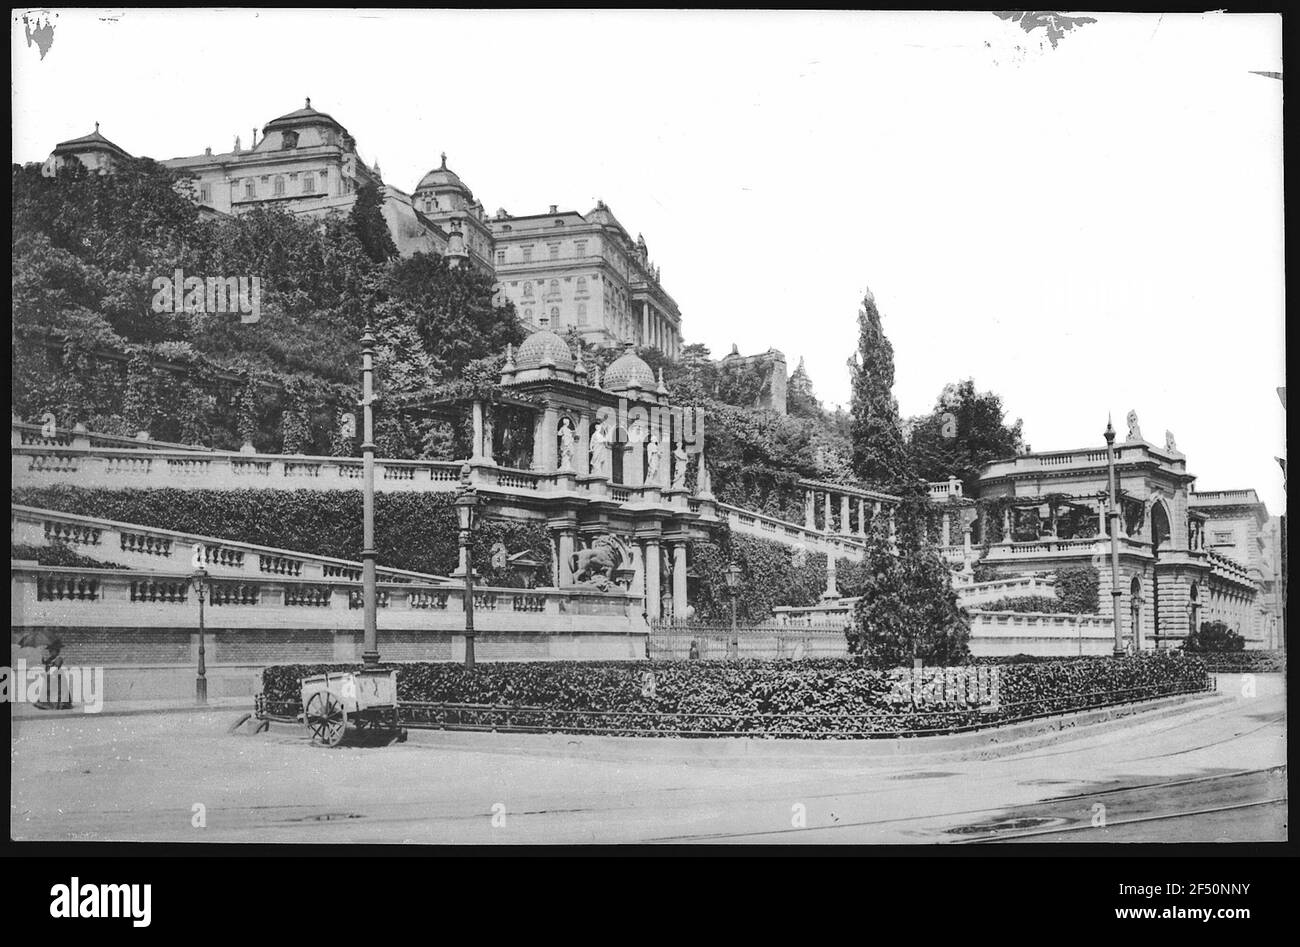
(122, 708)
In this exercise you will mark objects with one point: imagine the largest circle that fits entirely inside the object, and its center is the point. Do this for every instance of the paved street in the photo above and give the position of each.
(1215, 772)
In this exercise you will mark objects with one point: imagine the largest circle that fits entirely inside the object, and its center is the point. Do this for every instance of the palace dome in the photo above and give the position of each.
(443, 178)
(626, 369)
(303, 116)
(541, 347)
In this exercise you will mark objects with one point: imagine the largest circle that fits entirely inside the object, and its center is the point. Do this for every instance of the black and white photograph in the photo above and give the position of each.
(621, 430)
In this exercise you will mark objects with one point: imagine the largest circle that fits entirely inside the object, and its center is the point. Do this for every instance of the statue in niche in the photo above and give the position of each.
(652, 456)
(1134, 432)
(680, 458)
(1170, 444)
(488, 433)
(568, 436)
(599, 452)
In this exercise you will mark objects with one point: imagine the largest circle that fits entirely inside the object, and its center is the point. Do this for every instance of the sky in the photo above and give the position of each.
(1084, 227)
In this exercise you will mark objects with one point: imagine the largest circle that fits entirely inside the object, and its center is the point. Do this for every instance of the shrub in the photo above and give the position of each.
(1244, 662)
(1022, 603)
(59, 554)
(1213, 636)
(1076, 589)
(818, 698)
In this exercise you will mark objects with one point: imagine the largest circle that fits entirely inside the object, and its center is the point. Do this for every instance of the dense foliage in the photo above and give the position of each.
(59, 554)
(908, 607)
(1021, 603)
(826, 697)
(965, 430)
(1213, 637)
(1244, 662)
(91, 347)
(1077, 589)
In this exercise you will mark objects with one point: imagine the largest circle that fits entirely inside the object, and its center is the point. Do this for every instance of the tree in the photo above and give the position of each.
(800, 401)
(451, 309)
(966, 429)
(367, 221)
(1213, 636)
(908, 608)
(879, 454)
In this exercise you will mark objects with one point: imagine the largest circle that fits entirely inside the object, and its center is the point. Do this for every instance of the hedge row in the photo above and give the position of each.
(826, 697)
(414, 531)
(1244, 662)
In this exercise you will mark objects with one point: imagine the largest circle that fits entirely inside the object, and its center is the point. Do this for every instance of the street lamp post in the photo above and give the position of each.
(732, 576)
(370, 645)
(466, 504)
(1112, 515)
(200, 580)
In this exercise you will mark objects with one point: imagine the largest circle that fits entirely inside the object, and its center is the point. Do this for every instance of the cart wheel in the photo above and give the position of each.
(326, 719)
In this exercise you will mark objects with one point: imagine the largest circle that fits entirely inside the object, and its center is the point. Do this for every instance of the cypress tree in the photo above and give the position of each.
(879, 453)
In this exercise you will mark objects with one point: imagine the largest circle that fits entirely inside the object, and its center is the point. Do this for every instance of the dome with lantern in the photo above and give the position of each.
(627, 370)
(542, 348)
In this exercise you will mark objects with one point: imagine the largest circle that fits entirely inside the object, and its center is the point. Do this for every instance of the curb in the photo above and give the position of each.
(989, 743)
(108, 711)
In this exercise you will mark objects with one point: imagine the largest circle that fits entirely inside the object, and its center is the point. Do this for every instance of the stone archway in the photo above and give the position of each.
(1161, 534)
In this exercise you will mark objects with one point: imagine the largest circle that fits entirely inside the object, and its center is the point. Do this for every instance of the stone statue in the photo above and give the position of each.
(500, 556)
(679, 466)
(487, 434)
(1170, 444)
(567, 438)
(595, 566)
(599, 452)
(1134, 432)
(652, 454)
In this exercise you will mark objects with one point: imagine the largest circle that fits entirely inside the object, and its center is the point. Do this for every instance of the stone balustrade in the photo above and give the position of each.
(59, 596)
(791, 534)
(978, 593)
(1001, 634)
(144, 547)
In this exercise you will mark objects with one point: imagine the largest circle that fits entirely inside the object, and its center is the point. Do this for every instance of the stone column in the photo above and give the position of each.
(946, 534)
(539, 441)
(875, 512)
(652, 562)
(809, 510)
(862, 517)
(636, 562)
(645, 322)
(564, 547)
(845, 525)
(1101, 518)
(679, 579)
(826, 504)
(550, 422)
(634, 458)
(965, 538)
(476, 451)
(582, 446)
(1006, 525)
(832, 589)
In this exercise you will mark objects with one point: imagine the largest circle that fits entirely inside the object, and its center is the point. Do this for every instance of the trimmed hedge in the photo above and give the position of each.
(1244, 662)
(415, 531)
(1037, 604)
(823, 697)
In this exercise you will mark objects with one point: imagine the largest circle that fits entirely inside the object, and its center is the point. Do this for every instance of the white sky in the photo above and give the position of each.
(1090, 228)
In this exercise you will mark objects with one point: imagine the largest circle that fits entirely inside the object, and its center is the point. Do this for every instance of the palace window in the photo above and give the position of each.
(582, 285)
(528, 254)
(308, 183)
(205, 193)
(582, 314)
(555, 315)
(501, 257)
(250, 188)
(279, 185)
(528, 289)
(580, 247)
(555, 251)
(528, 314)
(288, 140)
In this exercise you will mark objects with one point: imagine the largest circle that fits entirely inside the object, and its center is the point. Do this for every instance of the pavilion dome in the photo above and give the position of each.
(626, 369)
(541, 347)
